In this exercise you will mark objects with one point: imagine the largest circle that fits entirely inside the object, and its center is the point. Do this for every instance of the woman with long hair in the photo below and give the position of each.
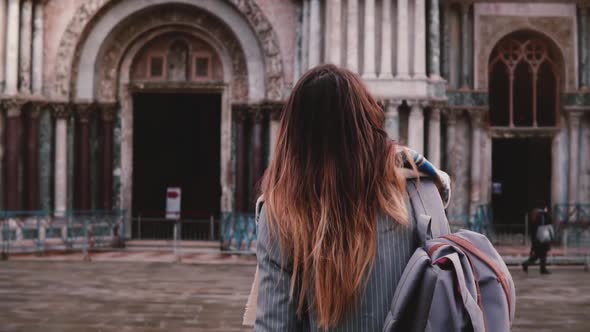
(333, 235)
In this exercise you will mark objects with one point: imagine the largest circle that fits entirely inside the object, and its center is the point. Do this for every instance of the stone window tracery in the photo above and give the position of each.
(524, 83)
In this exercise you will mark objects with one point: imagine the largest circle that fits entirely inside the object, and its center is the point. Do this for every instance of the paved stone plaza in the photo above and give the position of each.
(139, 296)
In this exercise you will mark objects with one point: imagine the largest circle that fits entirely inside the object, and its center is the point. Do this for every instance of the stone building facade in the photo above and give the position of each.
(477, 86)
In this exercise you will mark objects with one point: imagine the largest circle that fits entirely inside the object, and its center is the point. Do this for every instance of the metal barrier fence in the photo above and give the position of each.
(148, 228)
(39, 231)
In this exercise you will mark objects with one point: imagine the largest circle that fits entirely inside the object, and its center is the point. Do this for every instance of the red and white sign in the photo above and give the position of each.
(173, 203)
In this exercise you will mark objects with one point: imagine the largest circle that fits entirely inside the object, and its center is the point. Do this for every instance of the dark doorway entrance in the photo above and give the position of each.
(521, 176)
(176, 144)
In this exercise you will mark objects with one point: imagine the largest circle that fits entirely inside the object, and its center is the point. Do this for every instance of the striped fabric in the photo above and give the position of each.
(275, 311)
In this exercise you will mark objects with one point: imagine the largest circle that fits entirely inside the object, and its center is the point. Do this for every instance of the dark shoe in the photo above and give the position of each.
(525, 267)
(545, 271)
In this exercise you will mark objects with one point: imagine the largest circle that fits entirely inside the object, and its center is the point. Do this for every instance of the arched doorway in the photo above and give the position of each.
(524, 87)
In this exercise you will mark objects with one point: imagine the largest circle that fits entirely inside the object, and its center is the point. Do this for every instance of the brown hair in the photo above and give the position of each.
(333, 171)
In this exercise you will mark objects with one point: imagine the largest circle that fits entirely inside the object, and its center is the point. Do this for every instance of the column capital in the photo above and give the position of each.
(13, 106)
(417, 103)
(36, 108)
(477, 117)
(452, 116)
(107, 111)
(393, 103)
(574, 117)
(240, 112)
(61, 110)
(84, 110)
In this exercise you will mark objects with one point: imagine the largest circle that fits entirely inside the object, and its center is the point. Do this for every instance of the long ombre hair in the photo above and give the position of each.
(333, 172)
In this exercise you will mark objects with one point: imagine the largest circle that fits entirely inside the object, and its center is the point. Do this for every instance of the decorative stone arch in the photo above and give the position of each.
(254, 31)
(190, 20)
(495, 29)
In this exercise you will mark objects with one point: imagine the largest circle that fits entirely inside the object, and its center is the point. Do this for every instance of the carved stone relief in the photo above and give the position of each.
(90, 11)
(559, 29)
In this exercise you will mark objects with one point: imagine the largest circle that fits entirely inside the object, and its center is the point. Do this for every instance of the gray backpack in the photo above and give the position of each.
(453, 282)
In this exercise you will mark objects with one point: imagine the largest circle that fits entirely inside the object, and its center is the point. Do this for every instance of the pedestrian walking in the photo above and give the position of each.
(541, 236)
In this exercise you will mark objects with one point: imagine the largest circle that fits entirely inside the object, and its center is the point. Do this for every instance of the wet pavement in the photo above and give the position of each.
(156, 296)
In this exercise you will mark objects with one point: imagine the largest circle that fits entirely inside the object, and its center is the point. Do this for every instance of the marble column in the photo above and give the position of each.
(352, 36)
(416, 127)
(434, 137)
(108, 112)
(574, 122)
(419, 39)
(451, 119)
(403, 44)
(258, 119)
(26, 38)
(84, 111)
(333, 27)
(314, 33)
(446, 41)
(369, 47)
(3, 20)
(45, 158)
(13, 161)
(477, 122)
(32, 165)
(2, 188)
(465, 46)
(37, 83)
(305, 37)
(385, 70)
(392, 119)
(434, 40)
(242, 161)
(62, 113)
(12, 47)
(584, 58)
(275, 117)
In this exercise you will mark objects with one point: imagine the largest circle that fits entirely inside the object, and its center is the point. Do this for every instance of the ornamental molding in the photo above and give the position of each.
(91, 11)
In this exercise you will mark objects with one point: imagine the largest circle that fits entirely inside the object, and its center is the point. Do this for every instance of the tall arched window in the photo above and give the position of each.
(524, 82)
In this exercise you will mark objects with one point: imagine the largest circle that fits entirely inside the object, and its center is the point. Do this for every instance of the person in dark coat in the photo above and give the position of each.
(539, 250)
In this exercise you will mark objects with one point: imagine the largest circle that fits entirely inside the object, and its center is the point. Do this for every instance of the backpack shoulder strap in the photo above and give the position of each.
(427, 209)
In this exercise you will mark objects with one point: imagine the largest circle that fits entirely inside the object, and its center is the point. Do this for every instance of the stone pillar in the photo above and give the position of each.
(392, 119)
(84, 111)
(241, 162)
(26, 38)
(477, 122)
(13, 164)
(574, 122)
(385, 71)
(451, 117)
(2, 187)
(3, 20)
(45, 158)
(305, 38)
(274, 125)
(369, 47)
(446, 40)
(584, 59)
(416, 127)
(403, 44)
(108, 112)
(465, 46)
(434, 137)
(333, 27)
(38, 48)
(434, 40)
(62, 114)
(352, 36)
(314, 33)
(32, 145)
(419, 39)
(12, 47)
(258, 119)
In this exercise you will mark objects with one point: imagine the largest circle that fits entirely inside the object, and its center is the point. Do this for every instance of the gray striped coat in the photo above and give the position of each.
(275, 310)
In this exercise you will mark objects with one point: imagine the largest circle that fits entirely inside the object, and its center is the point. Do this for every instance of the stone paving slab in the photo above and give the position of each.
(156, 296)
